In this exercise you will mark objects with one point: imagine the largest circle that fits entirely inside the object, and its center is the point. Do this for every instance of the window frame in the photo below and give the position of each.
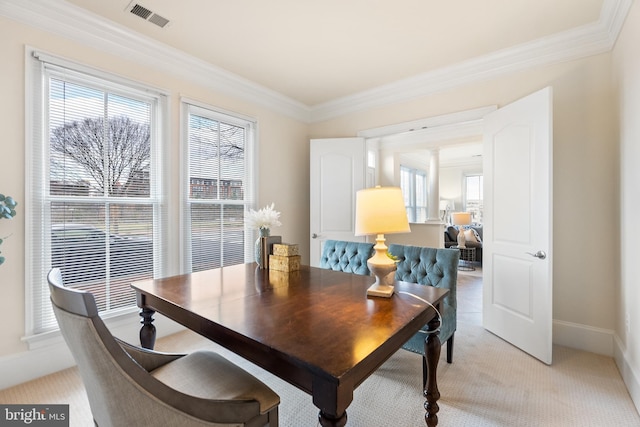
(413, 207)
(40, 68)
(187, 107)
(477, 214)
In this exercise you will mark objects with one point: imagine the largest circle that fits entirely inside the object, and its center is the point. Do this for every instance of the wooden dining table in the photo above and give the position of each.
(314, 328)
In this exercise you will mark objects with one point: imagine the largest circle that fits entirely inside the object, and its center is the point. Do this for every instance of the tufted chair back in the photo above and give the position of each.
(431, 267)
(350, 257)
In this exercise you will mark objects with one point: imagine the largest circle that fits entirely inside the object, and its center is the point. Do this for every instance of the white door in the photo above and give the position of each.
(337, 172)
(517, 251)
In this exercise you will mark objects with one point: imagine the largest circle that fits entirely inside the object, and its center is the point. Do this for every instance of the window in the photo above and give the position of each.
(94, 187)
(218, 187)
(413, 183)
(474, 191)
(98, 194)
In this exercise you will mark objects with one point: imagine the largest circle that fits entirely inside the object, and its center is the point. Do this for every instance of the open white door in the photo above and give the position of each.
(337, 169)
(517, 249)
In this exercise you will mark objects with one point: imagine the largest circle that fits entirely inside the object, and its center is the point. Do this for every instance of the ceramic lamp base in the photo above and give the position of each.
(384, 291)
(383, 286)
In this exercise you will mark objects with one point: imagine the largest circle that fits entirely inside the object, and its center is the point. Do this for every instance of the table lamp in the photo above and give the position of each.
(461, 219)
(380, 211)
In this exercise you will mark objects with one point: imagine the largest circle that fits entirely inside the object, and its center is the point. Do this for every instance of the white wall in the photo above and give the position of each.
(430, 235)
(627, 315)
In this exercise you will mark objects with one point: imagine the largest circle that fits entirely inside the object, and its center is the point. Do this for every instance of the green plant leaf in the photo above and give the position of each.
(9, 201)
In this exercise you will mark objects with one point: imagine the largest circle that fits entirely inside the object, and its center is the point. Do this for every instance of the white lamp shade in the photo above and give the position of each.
(380, 210)
(461, 218)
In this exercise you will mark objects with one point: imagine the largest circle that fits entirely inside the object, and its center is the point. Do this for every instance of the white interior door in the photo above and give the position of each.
(517, 249)
(337, 168)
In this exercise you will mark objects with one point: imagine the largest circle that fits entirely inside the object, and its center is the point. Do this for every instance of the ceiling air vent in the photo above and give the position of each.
(148, 15)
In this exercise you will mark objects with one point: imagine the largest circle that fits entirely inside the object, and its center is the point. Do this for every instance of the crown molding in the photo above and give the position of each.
(78, 25)
(428, 124)
(71, 22)
(580, 42)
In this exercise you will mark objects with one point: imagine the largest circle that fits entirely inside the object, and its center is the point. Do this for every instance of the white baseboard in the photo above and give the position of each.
(18, 368)
(583, 337)
(600, 341)
(629, 375)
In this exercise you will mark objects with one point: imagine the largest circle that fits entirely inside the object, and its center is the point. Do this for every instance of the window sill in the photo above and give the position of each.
(121, 319)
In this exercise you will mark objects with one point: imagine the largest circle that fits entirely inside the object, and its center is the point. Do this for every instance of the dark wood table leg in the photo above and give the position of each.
(329, 421)
(332, 398)
(148, 330)
(432, 356)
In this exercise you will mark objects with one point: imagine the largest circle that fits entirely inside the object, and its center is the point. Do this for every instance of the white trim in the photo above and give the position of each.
(114, 320)
(30, 128)
(232, 117)
(583, 337)
(580, 42)
(629, 375)
(430, 132)
(18, 368)
(85, 72)
(429, 122)
(74, 23)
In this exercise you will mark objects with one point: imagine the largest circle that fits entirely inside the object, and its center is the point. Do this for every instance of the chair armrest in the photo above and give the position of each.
(148, 359)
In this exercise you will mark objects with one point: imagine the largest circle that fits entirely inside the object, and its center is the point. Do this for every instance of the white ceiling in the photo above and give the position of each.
(316, 52)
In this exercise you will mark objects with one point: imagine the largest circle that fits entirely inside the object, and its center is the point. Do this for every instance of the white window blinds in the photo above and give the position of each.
(95, 190)
(218, 185)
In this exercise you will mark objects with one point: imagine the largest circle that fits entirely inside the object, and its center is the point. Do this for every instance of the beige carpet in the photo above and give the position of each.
(490, 383)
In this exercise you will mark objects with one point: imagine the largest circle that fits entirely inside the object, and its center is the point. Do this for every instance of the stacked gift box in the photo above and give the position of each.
(284, 257)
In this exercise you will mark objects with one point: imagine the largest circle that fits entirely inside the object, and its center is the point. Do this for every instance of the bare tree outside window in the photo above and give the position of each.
(113, 160)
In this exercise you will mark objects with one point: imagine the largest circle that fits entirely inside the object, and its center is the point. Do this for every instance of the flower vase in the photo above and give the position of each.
(258, 252)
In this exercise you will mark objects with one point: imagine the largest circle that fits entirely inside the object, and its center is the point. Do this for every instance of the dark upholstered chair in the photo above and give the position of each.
(431, 267)
(131, 386)
(350, 257)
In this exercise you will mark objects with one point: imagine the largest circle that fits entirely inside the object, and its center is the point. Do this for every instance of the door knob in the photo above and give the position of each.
(539, 254)
(314, 236)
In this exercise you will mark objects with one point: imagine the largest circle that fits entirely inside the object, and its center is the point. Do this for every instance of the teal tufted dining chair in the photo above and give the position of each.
(430, 267)
(350, 257)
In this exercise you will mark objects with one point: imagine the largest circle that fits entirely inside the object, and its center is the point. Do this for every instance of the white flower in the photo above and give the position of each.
(266, 217)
